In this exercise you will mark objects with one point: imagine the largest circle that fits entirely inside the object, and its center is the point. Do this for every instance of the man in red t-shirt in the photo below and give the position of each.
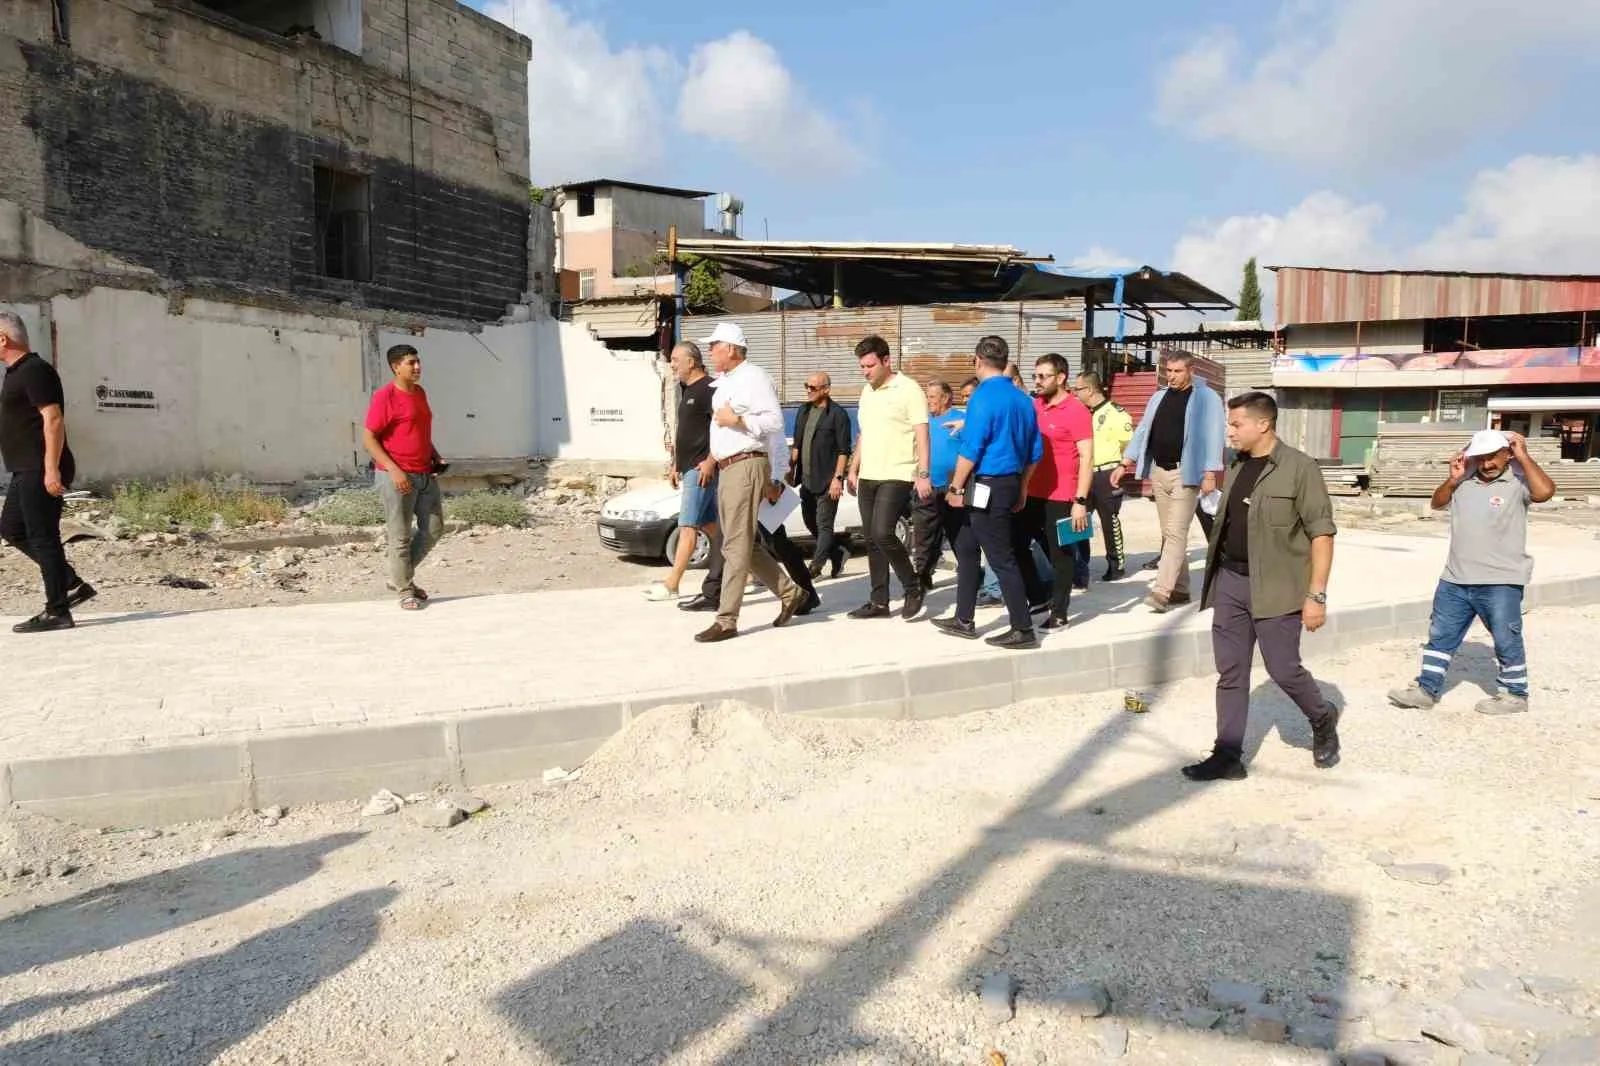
(1059, 488)
(399, 437)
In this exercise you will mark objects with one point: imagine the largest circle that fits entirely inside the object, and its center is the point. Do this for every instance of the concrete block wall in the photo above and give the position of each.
(459, 53)
(184, 143)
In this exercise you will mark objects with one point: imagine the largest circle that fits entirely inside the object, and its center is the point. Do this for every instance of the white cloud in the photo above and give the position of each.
(739, 92)
(1099, 259)
(594, 111)
(1538, 214)
(1357, 83)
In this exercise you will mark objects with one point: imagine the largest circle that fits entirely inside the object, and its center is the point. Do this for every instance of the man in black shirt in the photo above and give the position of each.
(693, 471)
(817, 463)
(33, 446)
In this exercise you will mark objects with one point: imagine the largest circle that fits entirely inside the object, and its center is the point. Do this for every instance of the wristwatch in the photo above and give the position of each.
(1318, 597)
(839, 478)
(922, 473)
(956, 490)
(1081, 501)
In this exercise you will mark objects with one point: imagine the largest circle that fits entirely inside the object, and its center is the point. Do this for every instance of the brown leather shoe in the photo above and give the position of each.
(715, 634)
(797, 599)
(1178, 599)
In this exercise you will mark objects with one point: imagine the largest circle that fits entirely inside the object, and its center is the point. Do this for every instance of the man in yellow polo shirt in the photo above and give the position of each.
(889, 464)
(1113, 429)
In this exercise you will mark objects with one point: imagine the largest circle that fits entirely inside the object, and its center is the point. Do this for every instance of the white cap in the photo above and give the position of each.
(1486, 442)
(726, 333)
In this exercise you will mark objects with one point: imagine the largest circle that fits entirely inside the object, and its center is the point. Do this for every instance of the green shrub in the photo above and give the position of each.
(349, 507)
(487, 509)
(193, 504)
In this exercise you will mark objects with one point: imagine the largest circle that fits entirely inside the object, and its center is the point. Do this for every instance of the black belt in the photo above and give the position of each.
(1237, 566)
(1167, 466)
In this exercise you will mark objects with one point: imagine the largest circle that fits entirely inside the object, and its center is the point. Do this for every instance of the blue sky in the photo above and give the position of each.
(1444, 133)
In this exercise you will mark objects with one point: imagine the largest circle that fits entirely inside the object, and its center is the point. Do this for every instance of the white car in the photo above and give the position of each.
(643, 522)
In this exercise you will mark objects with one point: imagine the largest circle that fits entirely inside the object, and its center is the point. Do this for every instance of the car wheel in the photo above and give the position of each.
(702, 549)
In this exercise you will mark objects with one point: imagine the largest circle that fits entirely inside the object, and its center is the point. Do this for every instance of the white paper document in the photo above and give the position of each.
(773, 515)
(978, 496)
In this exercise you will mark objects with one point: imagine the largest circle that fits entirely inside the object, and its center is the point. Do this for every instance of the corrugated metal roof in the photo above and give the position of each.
(599, 183)
(1309, 295)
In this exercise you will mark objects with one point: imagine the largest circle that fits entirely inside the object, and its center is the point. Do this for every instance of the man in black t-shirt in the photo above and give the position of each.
(33, 446)
(692, 469)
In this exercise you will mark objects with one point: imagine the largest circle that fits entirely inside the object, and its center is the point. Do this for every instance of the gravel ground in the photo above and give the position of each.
(721, 886)
(558, 549)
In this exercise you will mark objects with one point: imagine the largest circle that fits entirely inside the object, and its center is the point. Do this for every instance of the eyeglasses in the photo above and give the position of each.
(815, 388)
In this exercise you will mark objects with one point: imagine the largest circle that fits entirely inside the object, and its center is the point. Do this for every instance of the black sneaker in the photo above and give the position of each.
(82, 592)
(1014, 640)
(1325, 739)
(45, 622)
(1115, 573)
(1220, 765)
(871, 610)
(956, 628)
(813, 601)
(1153, 564)
(912, 605)
(1055, 621)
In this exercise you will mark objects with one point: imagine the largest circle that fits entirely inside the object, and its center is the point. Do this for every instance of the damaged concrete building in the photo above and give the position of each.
(214, 213)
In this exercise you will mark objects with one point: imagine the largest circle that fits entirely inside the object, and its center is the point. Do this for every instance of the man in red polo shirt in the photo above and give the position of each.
(399, 437)
(1059, 488)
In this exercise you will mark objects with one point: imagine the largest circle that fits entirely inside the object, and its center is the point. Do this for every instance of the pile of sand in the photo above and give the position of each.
(726, 755)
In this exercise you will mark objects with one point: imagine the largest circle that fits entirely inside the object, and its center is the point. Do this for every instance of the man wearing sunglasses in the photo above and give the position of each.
(817, 462)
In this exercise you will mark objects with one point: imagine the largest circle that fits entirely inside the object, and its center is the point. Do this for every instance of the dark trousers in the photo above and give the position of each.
(1063, 561)
(1207, 522)
(989, 530)
(1234, 636)
(31, 523)
(711, 584)
(882, 504)
(934, 523)
(817, 511)
(1028, 529)
(789, 554)
(1106, 504)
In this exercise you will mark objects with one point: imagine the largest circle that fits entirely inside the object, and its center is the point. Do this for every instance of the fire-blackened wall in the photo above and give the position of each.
(183, 148)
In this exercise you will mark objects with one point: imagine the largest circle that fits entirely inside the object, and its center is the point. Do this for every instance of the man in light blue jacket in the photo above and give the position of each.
(1178, 447)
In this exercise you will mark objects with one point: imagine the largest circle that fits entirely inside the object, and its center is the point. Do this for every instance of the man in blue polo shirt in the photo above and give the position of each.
(1000, 445)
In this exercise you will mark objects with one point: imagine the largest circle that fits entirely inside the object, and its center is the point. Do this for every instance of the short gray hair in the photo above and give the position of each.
(12, 326)
(1176, 355)
(693, 351)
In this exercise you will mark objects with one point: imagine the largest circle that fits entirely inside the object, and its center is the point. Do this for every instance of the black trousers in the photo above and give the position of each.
(1106, 504)
(711, 584)
(1235, 636)
(1028, 529)
(31, 523)
(882, 504)
(1063, 561)
(789, 554)
(818, 511)
(934, 524)
(987, 533)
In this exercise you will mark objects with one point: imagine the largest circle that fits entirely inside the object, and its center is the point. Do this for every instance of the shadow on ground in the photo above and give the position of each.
(1120, 915)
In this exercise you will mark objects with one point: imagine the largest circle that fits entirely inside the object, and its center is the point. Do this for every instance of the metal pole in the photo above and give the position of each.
(838, 284)
(678, 306)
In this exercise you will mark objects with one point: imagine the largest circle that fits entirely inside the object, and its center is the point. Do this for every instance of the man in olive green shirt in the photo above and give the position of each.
(1266, 579)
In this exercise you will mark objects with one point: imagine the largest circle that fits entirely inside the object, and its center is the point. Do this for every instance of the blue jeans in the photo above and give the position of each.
(1454, 608)
(991, 580)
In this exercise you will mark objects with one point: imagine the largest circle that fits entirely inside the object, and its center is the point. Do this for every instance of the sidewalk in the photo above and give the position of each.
(287, 704)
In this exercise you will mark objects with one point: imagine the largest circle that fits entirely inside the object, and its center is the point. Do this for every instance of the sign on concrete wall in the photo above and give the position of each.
(118, 398)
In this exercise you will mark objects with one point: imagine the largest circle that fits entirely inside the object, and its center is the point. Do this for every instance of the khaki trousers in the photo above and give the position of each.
(740, 487)
(1175, 503)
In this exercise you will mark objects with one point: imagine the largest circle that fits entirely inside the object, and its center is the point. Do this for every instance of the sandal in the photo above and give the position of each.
(411, 603)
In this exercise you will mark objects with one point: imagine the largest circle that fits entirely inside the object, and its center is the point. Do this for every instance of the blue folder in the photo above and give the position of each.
(1065, 534)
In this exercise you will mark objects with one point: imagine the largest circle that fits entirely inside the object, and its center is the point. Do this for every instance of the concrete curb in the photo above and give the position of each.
(493, 745)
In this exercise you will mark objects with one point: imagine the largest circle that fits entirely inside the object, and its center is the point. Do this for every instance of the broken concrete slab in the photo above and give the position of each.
(1499, 1011)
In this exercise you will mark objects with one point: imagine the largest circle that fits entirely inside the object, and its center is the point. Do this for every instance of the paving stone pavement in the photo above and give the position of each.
(126, 682)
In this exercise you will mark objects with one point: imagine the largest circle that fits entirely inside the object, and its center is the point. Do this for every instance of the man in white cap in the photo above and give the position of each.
(1490, 486)
(745, 420)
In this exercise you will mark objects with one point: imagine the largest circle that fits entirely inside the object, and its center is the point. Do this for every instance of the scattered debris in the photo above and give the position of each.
(1444, 1023)
(173, 581)
(1234, 995)
(998, 995)
(1201, 1018)
(1083, 1000)
(998, 946)
(1493, 979)
(1578, 1051)
(1419, 873)
(1495, 1010)
(556, 775)
(440, 817)
(383, 802)
(466, 801)
(1266, 1022)
(278, 812)
(1112, 1038)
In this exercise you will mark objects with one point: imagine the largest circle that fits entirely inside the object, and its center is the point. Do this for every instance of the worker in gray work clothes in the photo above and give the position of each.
(1491, 484)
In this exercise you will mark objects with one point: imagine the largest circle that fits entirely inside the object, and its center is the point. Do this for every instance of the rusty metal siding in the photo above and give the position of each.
(1053, 327)
(826, 340)
(937, 342)
(1308, 295)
